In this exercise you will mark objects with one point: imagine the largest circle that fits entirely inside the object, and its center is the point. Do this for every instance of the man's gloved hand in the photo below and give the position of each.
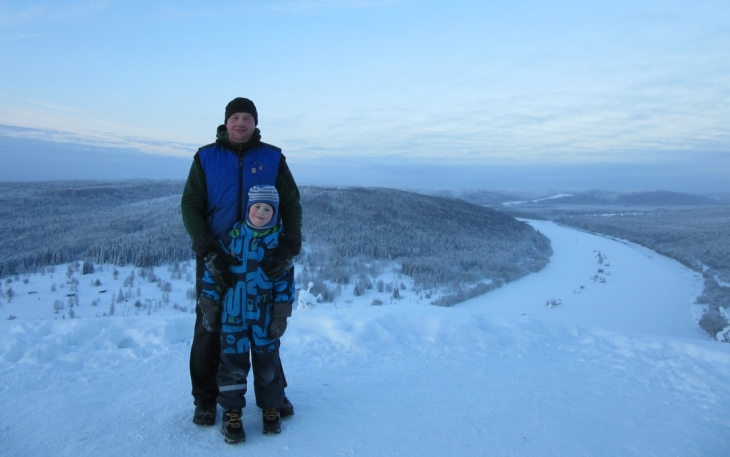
(217, 264)
(211, 313)
(216, 261)
(278, 260)
(276, 263)
(279, 312)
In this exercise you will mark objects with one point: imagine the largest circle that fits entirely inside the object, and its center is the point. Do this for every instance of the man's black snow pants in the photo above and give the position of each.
(204, 361)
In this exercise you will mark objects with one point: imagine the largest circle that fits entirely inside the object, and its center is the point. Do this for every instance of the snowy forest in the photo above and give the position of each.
(439, 242)
(350, 235)
(452, 247)
(117, 222)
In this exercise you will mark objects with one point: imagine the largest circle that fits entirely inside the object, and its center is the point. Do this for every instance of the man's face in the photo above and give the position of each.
(240, 127)
(260, 214)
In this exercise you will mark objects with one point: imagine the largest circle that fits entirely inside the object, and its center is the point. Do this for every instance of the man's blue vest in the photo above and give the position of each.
(229, 178)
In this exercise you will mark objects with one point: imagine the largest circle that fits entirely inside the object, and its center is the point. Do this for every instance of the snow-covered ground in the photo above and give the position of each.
(552, 197)
(616, 367)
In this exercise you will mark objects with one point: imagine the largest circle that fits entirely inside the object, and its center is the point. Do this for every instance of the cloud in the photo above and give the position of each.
(20, 37)
(682, 175)
(61, 11)
(21, 118)
(629, 108)
(77, 10)
(554, 127)
(312, 5)
(38, 154)
(99, 139)
(30, 159)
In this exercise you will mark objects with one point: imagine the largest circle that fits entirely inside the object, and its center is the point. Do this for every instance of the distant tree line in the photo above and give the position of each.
(440, 242)
(121, 222)
(350, 235)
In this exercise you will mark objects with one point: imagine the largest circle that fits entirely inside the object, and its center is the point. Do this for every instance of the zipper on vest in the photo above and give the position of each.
(240, 187)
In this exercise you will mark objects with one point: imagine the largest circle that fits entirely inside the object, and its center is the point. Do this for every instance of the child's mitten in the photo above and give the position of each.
(279, 312)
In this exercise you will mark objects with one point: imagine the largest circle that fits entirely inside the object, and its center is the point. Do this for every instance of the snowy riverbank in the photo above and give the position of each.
(619, 367)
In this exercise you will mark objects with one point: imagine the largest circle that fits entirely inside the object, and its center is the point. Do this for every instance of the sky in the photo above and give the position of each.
(625, 95)
(618, 368)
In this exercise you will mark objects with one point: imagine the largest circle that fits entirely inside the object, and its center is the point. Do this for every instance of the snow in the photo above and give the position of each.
(618, 368)
(552, 197)
(643, 291)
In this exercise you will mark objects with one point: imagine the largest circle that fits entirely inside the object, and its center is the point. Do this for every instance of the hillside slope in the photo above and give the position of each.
(442, 243)
(439, 242)
(584, 197)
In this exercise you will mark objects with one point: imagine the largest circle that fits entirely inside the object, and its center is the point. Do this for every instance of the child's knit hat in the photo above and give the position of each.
(263, 194)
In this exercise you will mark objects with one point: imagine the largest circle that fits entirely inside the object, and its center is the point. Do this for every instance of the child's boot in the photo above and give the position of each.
(232, 428)
(272, 420)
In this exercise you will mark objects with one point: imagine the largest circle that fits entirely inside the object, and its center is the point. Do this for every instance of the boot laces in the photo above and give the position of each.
(270, 414)
(233, 419)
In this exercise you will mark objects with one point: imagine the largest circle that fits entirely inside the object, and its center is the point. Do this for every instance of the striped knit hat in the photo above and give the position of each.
(263, 194)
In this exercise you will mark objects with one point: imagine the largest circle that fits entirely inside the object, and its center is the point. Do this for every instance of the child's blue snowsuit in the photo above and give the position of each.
(246, 316)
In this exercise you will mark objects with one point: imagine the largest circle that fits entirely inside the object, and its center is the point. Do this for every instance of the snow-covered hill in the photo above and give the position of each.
(616, 366)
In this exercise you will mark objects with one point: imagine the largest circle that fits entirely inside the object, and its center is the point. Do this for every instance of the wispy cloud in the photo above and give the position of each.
(552, 127)
(99, 139)
(630, 115)
(78, 10)
(20, 37)
(49, 11)
(176, 13)
(41, 120)
(21, 16)
(608, 93)
(313, 5)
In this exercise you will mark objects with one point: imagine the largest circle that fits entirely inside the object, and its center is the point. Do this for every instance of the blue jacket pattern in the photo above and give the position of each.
(246, 307)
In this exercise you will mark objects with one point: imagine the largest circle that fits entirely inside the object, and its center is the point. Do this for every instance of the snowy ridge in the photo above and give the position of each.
(500, 375)
(551, 197)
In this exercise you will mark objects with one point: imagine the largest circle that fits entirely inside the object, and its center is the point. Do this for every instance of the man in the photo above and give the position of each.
(214, 199)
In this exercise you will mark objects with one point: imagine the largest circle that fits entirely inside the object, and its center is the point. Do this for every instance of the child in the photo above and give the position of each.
(251, 317)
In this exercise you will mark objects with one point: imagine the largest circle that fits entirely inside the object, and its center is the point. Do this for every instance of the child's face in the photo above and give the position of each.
(260, 214)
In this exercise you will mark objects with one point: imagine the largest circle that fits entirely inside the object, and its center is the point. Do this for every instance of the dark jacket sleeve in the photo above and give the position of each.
(195, 201)
(284, 288)
(289, 205)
